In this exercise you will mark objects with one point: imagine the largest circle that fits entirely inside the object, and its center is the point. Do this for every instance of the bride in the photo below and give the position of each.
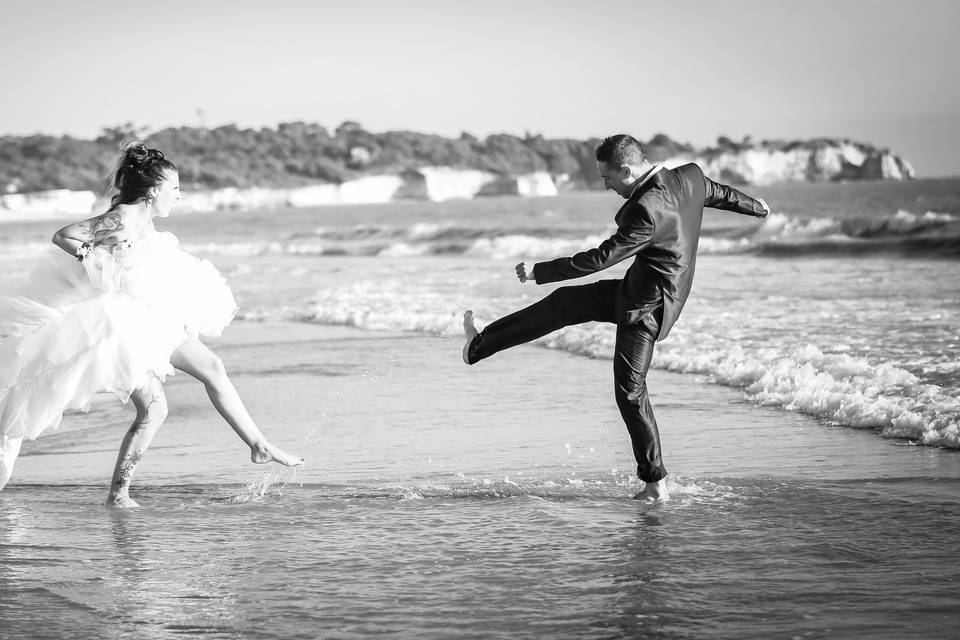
(121, 309)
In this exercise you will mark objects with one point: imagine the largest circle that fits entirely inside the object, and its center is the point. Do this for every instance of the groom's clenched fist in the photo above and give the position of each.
(525, 271)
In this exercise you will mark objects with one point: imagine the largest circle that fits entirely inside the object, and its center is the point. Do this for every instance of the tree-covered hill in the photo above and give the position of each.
(301, 153)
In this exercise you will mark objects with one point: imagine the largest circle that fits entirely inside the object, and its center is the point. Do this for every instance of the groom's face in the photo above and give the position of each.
(616, 179)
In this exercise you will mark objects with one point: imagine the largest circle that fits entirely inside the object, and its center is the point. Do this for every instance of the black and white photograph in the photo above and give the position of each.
(480, 319)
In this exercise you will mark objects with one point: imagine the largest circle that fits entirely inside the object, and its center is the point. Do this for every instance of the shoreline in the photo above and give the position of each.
(369, 405)
(472, 488)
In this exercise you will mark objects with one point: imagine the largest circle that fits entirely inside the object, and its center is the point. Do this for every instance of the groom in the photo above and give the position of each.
(659, 227)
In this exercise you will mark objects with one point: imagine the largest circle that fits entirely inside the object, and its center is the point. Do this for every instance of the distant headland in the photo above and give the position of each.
(305, 164)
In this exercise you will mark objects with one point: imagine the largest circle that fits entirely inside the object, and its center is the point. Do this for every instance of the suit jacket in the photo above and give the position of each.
(659, 226)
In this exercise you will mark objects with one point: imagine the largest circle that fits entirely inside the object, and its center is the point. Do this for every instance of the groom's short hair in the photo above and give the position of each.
(619, 150)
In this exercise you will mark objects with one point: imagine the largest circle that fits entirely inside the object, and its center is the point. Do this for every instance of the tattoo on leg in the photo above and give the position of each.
(141, 424)
(127, 466)
(137, 427)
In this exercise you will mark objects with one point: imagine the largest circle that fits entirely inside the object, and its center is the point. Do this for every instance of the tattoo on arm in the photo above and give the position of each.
(81, 231)
(106, 225)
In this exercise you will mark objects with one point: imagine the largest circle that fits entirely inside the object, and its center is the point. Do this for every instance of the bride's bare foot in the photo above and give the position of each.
(121, 501)
(264, 453)
(469, 333)
(654, 492)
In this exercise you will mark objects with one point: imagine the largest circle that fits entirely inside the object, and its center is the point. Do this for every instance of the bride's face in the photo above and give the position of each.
(168, 194)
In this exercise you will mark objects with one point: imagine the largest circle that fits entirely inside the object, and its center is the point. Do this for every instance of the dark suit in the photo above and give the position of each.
(659, 226)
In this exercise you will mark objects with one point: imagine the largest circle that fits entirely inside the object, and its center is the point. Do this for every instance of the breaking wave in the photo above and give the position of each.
(837, 388)
(904, 233)
(929, 234)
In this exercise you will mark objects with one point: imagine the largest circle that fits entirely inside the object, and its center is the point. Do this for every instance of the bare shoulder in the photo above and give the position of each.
(110, 223)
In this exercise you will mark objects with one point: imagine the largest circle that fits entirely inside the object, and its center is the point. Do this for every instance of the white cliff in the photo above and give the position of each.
(817, 161)
(366, 190)
(765, 163)
(445, 183)
(232, 198)
(370, 189)
(539, 183)
(57, 203)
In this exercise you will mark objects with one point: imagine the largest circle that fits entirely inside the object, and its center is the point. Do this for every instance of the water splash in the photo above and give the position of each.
(258, 488)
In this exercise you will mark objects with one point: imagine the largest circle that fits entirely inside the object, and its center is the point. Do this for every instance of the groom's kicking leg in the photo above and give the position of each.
(564, 307)
(631, 361)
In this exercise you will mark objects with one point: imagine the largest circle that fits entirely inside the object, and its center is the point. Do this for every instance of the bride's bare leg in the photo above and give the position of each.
(203, 364)
(151, 407)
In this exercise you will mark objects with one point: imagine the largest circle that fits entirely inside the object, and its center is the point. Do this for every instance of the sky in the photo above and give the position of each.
(877, 71)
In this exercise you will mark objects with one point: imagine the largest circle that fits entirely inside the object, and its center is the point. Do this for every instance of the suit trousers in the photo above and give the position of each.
(631, 360)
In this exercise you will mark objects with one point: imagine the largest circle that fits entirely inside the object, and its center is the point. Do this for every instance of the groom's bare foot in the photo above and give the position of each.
(264, 453)
(469, 333)
(654, 492)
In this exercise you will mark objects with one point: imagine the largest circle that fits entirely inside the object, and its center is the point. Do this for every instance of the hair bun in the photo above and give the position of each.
(136, 156)
(133, 153)
(138, 170)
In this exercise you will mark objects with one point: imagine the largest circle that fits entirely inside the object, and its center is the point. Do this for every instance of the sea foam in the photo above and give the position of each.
(837, 388)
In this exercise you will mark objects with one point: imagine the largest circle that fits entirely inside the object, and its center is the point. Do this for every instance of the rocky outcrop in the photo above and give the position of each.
(397, 166)
(433, 184)
(813, 161)
(443, 183)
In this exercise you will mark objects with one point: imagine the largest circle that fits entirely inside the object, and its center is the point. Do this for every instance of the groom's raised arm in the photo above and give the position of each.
(634, 233)
(721, 196)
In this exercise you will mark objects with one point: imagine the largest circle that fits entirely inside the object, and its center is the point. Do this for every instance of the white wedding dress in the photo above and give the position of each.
(104, 325)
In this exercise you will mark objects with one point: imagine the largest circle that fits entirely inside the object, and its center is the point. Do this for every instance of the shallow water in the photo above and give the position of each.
(481, 513)
(494, 501)
(843, 305)
(737, 558)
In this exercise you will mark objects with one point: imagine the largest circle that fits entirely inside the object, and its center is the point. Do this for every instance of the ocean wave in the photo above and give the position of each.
(898, 224)
(247, 249)
(905, 233)
(837, 388)
(929, 234)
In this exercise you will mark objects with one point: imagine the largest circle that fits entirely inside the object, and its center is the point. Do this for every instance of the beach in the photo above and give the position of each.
(807, 402)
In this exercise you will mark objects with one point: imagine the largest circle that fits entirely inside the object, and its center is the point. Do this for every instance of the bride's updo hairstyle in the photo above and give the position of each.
(139, 170)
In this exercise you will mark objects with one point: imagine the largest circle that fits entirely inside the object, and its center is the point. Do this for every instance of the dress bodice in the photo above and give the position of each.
(115, 268)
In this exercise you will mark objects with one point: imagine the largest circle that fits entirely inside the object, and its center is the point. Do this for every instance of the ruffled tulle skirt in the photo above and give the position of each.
(107, 325)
